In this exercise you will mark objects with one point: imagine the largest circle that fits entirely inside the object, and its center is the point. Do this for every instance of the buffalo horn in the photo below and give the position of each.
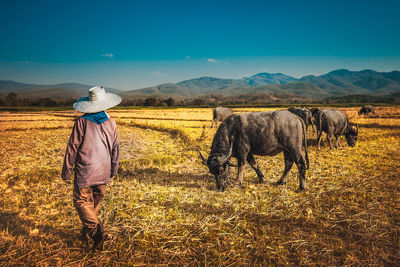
(204, 161)
(226, 159)
(357, 128)
(231, 164)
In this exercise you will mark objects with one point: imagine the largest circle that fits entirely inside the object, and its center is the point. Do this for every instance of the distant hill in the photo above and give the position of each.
(162, 90)
(212, 85)
(337, 83)
(204, 85)
(52, 93)
(345, 82)
(16, 87)
(265, 78)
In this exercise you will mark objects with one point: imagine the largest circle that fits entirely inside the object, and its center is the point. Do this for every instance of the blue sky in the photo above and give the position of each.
(134, 44)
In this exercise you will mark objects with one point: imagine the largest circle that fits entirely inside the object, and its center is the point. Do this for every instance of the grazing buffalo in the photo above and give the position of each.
(314, 111)
(335, 122)
(220, 114)
(366, 110)
(260, 133)
(305, 114)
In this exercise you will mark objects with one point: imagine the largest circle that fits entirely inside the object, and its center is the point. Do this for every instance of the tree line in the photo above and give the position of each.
(13, 100)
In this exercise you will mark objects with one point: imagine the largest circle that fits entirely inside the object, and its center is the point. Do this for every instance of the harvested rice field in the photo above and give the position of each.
(163, 207)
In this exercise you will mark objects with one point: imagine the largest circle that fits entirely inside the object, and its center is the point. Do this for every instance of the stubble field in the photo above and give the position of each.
(163, 207)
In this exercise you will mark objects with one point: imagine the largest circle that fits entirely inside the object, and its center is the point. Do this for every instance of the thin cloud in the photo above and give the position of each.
(108, 55)
(188, 57)
(157, 73)
(26, 62)
(212, 60)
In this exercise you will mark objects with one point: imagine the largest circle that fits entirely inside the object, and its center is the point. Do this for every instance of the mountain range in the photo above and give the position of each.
(335, 83)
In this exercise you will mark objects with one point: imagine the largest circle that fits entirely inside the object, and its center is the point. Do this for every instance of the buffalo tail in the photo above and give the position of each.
(305, 144)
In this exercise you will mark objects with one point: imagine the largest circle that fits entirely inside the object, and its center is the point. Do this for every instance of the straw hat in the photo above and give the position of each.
(98, 100)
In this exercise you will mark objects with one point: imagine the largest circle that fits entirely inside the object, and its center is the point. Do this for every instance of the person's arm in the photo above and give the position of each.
(115, 154)
(72, 150)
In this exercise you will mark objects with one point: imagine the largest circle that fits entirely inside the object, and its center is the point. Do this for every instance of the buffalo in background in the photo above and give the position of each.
(366, 110)
(220, 114)
(314, 111)
(305, 114)
(335, 122)
(260, 133)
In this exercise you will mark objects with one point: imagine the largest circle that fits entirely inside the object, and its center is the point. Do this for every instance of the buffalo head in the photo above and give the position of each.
(218, 165)
(352, 135)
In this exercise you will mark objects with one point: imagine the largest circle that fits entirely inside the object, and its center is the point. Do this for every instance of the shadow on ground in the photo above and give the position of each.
(164, 178)
(15, 225)
(379, 126)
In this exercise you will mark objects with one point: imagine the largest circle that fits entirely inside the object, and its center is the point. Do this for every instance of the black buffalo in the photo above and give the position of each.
(334, 122)
(305, 114)
(262, 133)
(314, 111)
(366, 110)
(220, 114)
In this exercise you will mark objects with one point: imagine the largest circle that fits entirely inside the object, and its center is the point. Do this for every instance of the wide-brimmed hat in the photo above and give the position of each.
(98, 100)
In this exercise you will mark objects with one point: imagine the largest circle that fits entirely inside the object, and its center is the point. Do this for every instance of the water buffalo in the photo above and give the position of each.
(260, 133)
(305, 114)
(314, 111)
(366, 110)
(220, 114)
(334, 122)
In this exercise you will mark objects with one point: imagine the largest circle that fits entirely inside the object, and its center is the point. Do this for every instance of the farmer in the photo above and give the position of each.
(93, 149)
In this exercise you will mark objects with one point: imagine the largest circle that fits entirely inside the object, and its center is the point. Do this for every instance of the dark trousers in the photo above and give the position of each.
(87, 203)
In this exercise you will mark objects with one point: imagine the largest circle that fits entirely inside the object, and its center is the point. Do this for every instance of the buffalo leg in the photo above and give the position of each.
(239, 178)
(301, 166)
(312, 126)
(329, 139)
(302, 176)
(252, 161)
(319, 133)
(338, 144)
(288, 165)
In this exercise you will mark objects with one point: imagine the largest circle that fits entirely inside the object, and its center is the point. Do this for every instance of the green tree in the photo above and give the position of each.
(151, 101)
(11, 99)
(170, 102)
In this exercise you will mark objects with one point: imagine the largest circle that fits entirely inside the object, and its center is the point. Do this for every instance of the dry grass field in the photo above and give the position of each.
(163, 207)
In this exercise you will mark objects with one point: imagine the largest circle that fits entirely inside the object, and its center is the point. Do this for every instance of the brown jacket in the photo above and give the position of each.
(94, 150)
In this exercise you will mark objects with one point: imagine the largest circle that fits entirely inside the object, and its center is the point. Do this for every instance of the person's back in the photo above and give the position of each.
(93, 148)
